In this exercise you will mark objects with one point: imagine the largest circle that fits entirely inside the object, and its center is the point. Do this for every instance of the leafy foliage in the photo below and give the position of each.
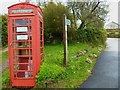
(5, 79)
(52, 66)
(92, 16)
(92, 36)
(4, 34)
(113, 34)
(53, 18)
(4, 56)
(48, 72)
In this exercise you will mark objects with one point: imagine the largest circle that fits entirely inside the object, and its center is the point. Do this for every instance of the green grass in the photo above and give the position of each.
(53, 72)
(4, 57)
(56, 75)
(5, 79)
(5, 75)
(117, 33)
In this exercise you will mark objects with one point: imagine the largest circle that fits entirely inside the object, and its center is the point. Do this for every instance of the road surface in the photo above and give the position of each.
(105, 73)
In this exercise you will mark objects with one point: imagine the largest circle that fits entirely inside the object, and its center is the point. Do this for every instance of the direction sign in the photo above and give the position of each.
(68, 22)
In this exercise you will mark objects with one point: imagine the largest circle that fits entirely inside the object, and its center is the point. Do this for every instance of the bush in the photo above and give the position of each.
(48, 73)
(5, 78)
(113, 34)
(92, 36)
(4, 34)
(54, 22)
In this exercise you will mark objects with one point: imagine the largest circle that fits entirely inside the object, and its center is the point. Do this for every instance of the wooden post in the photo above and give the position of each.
(65, 41)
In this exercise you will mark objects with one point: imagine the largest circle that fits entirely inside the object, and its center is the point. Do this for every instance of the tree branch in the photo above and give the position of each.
(95, 7)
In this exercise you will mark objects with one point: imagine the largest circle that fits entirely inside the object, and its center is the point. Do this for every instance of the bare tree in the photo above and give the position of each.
(89, 12)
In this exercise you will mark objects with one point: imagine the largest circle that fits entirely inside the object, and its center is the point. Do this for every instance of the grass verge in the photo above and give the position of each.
(5, 75)
(5, 79)
(4, 57)
(52, 72)
(54, 75)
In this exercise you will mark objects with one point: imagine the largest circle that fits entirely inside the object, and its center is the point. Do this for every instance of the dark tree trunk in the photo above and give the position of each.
(82, 25)
(74, 17)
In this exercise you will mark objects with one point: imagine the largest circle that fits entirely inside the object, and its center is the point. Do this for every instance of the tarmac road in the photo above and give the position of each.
(105, 73)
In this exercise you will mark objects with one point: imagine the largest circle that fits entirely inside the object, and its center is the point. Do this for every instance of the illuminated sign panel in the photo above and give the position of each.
(23, 11)
(22, 29)
(22, 37)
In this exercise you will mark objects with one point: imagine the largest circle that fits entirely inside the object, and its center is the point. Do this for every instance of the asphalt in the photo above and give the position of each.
(105, 72)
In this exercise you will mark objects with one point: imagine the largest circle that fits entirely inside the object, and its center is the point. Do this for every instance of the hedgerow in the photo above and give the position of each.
(92, 35)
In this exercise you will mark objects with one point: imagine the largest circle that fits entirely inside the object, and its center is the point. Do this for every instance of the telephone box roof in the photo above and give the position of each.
(25, 3)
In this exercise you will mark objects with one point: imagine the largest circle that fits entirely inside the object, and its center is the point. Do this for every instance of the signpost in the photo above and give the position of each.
(66, 22)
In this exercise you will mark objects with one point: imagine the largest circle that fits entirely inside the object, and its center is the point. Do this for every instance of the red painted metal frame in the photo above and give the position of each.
(36, 57)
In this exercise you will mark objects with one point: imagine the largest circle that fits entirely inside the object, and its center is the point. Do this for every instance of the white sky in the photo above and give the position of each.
(113, 14)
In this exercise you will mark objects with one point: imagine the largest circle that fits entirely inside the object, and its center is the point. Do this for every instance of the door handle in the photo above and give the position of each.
(11, 44)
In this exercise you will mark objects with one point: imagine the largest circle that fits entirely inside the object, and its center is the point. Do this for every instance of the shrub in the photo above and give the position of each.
(5, 78)
(4, 34)
(92, 36)
(48, 73)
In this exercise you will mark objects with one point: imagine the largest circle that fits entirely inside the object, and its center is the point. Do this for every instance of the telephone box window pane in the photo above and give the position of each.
(13, 22)
(22, 45)
(22, 22)
(40, 32)
(40, 49)
(23, 52)
(41, 43)
(40, 14)
(23, 67)
(30, 28)
(41, 35)
(30, 37)
(16, 67)
(12, 29)
(12, 25)
(16, 59)
(40, 24)
(16, 52)
(30, 44)
(21, 74)
(30, 21)
(25, 74)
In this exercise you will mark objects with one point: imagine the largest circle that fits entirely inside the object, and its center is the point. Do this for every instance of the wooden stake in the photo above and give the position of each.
(65, 41)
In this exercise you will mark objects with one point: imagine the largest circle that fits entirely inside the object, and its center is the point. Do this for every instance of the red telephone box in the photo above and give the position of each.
(25, 43)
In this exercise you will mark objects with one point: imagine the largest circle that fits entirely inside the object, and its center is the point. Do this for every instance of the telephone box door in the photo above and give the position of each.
(21, 48)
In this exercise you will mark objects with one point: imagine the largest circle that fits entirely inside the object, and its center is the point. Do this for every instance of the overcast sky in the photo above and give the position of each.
(112, 16)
